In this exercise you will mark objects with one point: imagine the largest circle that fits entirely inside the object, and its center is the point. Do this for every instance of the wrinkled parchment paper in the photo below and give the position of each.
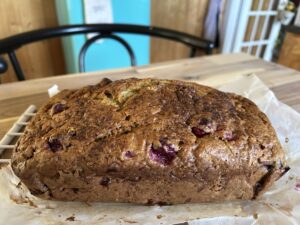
(280, 205)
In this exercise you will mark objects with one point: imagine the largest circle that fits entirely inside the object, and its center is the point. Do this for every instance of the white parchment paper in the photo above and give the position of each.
(280, 205)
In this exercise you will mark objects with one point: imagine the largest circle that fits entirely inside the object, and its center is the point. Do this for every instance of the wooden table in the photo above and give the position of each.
(16, 97)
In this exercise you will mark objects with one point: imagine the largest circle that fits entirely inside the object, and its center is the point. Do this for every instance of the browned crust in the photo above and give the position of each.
(135, 140)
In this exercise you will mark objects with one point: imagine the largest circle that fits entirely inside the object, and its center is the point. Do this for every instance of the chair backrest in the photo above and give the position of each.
(10, 44)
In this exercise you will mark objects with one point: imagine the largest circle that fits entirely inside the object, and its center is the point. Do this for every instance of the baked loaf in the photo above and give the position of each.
(148, 141)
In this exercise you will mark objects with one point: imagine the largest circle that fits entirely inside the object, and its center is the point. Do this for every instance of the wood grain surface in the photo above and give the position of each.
(186, 16)
(285, 82)
(290, 51)
(42, 58)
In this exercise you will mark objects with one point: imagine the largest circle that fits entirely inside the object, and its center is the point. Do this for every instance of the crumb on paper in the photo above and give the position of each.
(19, 185)
(159, 216)
(286, 140)
(255, 216)
(22, 200)
(71, 218)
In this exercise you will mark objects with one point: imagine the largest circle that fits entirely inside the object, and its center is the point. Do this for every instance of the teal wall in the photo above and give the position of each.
(108, 54)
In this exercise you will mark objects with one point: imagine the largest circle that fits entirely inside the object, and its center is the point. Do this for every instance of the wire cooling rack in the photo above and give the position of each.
(7, 143)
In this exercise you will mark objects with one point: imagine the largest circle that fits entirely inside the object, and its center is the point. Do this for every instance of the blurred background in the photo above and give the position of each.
(262, 28)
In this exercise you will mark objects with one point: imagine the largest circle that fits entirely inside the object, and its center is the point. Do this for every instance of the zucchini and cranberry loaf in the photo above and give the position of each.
(148, 141)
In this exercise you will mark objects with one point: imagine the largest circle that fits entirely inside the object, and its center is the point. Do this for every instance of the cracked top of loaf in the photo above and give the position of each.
(146, 127)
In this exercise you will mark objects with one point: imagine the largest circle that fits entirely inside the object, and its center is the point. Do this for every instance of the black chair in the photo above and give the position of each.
(10, 44)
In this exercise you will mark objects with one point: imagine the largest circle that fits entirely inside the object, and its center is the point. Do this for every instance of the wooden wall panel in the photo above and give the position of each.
(39, 59)
(186, 16)
(290, 51)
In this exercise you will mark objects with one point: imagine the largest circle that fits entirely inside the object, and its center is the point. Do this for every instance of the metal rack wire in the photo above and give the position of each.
(15, 132)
